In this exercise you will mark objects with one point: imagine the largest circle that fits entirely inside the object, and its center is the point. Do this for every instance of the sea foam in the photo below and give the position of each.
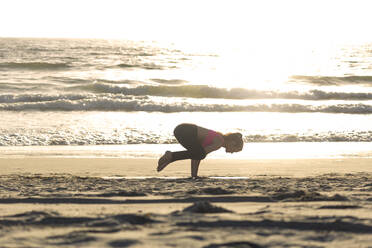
(123, 102)
(204, 91)
(68, 136)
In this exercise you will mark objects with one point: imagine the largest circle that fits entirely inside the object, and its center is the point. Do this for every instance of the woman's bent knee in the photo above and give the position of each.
(182, 129)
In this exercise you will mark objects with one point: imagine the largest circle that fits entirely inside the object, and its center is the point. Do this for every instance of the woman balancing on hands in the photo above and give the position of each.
(199, 142)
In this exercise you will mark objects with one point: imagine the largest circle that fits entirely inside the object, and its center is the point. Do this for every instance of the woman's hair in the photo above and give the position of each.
(236, 139)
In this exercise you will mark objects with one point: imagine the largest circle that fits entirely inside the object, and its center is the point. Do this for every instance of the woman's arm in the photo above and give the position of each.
(194, 168)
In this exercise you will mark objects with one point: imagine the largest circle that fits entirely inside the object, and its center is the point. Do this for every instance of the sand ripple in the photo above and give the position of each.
(63, 210)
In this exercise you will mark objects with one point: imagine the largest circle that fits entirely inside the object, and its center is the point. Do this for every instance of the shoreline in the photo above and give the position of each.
(251, 151)
(134, 167)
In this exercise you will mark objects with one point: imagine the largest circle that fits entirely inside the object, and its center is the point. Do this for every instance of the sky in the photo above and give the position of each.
(191, 21)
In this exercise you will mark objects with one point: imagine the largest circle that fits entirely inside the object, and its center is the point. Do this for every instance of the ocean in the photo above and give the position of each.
(95, 97)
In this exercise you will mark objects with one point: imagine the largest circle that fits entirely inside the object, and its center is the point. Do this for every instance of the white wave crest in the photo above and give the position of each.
(29, 98)
(52, 137)
(204, 91)
(114, 102)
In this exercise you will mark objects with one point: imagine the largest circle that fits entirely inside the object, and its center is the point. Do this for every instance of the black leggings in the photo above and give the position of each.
(187, 136)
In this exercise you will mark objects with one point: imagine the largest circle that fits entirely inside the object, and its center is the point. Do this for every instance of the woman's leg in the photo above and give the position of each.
(164, 160)
(187, 136)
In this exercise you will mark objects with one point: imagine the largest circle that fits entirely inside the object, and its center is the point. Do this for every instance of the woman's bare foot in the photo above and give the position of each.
(164, 160)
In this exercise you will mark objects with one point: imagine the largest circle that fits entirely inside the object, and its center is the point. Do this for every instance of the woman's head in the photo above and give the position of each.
(233, 142)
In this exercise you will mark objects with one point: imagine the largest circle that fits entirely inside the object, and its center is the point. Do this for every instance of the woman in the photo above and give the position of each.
(199, 142)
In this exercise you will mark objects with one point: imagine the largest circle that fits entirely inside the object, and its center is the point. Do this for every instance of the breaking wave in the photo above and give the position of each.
(31, 98)
(204, 91)
(46, 137)
(114, 102)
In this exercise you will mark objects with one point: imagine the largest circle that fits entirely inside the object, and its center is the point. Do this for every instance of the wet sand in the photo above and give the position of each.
(69, 202)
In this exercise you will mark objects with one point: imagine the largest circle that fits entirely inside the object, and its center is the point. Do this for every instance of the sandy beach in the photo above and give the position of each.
(107, 202)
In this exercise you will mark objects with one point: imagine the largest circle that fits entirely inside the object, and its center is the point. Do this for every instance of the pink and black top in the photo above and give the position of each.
(208, 140)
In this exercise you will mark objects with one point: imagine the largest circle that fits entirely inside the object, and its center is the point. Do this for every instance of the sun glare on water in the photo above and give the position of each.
(268, 40)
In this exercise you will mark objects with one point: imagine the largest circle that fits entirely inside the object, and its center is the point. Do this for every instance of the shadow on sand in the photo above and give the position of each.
(69, 200)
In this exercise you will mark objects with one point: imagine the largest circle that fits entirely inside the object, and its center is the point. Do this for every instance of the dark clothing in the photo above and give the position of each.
(187, 136)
